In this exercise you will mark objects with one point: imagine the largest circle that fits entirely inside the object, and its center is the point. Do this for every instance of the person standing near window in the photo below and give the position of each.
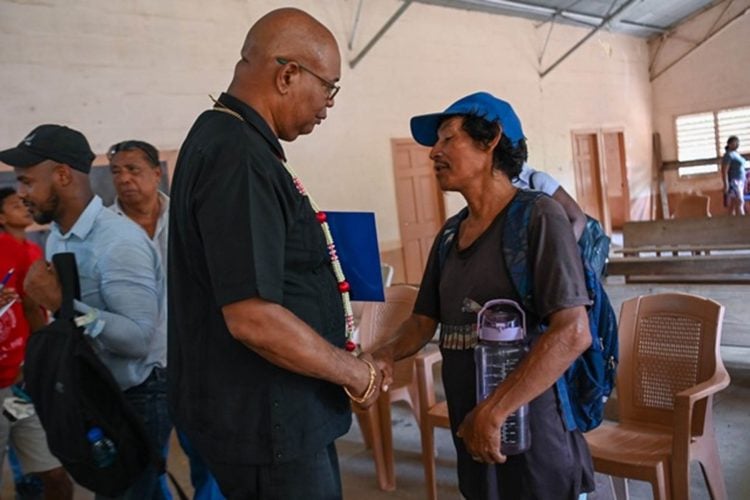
(733, 171)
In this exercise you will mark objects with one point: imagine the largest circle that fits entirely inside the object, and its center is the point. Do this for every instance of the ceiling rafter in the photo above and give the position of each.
(712, 32)
(382, 31)
(607, 19)
(580, 12)
(658, 23)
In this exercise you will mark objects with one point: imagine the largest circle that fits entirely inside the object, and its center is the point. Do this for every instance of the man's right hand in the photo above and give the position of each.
(43, 285)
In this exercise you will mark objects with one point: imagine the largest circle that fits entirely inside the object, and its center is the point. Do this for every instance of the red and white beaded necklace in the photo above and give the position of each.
(321, 217)
(335, 262)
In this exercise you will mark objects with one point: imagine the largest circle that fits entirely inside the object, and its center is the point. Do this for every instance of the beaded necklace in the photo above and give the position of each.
(335, 262)
(321, 217)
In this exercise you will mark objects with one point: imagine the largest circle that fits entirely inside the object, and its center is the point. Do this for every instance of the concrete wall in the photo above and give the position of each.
(713, 77)
(143, 69)
(731, 296)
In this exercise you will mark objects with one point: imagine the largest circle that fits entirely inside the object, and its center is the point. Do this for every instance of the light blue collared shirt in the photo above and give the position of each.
(531, 179)
(122, 283)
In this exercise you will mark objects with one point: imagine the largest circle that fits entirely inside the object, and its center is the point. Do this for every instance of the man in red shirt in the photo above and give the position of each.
(25, 433)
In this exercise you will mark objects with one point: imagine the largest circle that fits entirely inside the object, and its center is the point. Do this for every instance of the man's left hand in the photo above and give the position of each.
(43, 285)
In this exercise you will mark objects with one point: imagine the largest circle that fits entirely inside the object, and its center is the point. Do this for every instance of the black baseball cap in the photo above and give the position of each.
(51, 142)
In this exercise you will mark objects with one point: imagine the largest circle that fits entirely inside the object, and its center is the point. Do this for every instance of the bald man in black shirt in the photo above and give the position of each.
(257, 368)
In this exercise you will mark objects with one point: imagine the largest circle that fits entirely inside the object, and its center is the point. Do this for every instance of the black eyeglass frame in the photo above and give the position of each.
(152, 154)
(333, 89)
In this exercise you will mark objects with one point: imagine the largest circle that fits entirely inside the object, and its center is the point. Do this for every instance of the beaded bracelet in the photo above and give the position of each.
(370, 386)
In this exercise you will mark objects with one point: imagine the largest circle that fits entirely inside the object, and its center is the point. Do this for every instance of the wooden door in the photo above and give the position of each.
(589, 184)
(420, 204)
(618, 193)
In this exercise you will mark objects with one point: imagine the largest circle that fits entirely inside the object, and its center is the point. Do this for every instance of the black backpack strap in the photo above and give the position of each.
(67, 271)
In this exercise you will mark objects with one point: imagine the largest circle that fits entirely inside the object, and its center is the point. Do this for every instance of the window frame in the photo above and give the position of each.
(719, 142)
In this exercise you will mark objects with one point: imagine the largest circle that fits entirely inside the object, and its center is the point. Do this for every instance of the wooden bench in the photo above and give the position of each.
(699, 250)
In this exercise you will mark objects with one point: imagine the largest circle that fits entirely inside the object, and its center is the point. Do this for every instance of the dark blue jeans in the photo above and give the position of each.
(149, 400)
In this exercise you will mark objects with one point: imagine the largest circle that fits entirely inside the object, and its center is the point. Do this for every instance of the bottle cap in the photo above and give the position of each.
(496, 323)
(501, 333)
(94, 434)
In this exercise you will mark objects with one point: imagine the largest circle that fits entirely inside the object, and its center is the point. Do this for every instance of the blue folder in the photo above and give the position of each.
(356, 241)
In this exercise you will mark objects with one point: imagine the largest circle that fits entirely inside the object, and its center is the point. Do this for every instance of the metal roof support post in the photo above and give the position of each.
(355, 24)
(662, 42)
(380, 33)
(546, 40)
(575, 47)
(716, 21)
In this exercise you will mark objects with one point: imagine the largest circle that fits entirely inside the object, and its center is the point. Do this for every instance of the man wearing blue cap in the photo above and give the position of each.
(478, 146)
(528, 178)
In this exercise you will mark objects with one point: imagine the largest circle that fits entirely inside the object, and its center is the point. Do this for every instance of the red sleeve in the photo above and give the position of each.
(32, 253)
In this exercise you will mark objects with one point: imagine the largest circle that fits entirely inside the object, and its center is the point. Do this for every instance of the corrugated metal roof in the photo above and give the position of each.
(644, 18)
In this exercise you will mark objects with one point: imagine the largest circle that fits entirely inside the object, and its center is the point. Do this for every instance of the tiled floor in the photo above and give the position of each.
(732, 417)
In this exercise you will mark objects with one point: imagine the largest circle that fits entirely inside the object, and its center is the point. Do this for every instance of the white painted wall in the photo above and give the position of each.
(715, 76)
(143, 68)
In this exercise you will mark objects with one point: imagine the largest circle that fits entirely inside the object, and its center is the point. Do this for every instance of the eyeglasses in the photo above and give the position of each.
(333, 89)
(151, 153)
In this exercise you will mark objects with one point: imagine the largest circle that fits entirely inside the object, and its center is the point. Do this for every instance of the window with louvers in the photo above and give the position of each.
(704, 135)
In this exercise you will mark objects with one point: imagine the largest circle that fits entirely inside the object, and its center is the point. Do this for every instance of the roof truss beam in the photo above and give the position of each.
(605, 20)
(382, 31)
(655, 71)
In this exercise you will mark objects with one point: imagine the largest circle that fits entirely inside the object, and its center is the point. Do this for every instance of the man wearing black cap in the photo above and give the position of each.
(122, 287)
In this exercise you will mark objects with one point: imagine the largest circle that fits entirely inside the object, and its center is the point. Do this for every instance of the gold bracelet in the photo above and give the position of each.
(370, 385)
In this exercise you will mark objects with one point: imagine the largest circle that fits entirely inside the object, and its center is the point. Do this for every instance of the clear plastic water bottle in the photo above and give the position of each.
(502, 345)
(102, 448)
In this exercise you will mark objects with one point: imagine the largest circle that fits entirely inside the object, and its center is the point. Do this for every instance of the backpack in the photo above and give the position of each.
(594, 242)
(586, 385)
(73, 391)
(594, 245)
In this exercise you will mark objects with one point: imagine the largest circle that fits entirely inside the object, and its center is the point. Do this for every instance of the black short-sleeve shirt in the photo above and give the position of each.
(558, 465)
(240, 229)
(479, 271)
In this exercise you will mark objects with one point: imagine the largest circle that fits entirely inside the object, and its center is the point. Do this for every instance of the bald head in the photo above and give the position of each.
(290, 33)
(311, 62)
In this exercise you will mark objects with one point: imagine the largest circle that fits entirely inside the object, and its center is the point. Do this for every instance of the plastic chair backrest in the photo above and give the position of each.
(381, 319)
(668, 342)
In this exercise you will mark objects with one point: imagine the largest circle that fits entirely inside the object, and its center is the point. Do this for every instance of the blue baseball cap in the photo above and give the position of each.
(482, 104)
